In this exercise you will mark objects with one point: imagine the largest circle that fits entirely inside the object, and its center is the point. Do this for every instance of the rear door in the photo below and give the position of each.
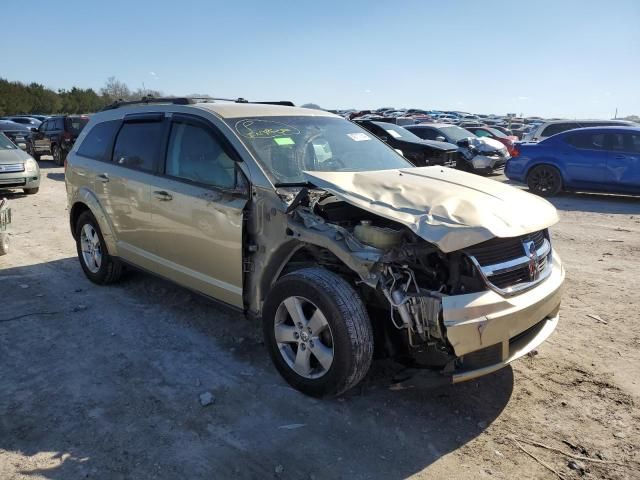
(197, 211)
(585, 159)
(123, 184)
(623, 161)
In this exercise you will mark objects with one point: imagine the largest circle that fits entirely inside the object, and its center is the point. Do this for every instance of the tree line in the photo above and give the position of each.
(17, 98)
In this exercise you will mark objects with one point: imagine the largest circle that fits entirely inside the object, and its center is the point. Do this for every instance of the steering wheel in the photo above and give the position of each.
(333, 162)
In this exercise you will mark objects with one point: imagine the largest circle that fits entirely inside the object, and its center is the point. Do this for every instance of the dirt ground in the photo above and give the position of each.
(104, 382)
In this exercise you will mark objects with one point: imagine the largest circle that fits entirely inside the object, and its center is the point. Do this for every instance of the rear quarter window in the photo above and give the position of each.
(99, 141)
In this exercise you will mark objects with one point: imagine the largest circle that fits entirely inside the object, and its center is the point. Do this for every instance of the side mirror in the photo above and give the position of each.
(440, 138)
(464, 142)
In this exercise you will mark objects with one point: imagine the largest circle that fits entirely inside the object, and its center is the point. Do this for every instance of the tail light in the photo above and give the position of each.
(66, 136)
(516, 150)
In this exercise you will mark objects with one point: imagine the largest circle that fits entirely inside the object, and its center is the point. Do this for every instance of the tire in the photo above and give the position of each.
(4, 243)
(104, 268)
(58, 159)
(544, 180)
(31, 191)
(342, 329)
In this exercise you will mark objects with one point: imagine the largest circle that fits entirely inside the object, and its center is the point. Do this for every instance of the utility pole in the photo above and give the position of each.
(616, 115)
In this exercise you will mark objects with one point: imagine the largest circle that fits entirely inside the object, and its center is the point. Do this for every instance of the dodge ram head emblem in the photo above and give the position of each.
(530, 251)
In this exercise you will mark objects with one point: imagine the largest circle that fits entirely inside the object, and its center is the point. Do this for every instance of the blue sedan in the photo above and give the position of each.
(603, 159)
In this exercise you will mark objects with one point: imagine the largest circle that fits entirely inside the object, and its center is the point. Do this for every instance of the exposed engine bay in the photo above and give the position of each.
(407, 280)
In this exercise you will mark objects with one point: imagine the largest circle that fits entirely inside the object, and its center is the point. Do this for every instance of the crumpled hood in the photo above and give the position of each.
(447, 207)
(485, 144)
(13, 156)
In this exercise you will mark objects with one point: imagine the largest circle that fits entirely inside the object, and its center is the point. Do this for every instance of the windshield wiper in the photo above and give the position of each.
(293, 184)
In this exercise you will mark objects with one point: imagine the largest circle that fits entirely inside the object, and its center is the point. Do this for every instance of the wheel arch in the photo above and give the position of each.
(288, 257)
(87, 201)
(548, 162)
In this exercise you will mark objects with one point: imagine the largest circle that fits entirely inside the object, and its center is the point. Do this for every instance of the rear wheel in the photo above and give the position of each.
(57, 155)
(97, 264)
(544, 180)
(318, 332)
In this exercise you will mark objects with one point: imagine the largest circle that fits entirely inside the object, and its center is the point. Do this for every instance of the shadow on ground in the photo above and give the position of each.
(56, 176)
(47, 162)
(597, 203)
(104, 382)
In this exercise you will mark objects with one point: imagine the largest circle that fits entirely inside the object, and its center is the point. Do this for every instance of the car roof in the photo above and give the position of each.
(607, 128)
(578, 120)
(236, 110)
(434, 125)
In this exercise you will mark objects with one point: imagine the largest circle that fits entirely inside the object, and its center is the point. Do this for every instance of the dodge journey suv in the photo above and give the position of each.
(307, 222)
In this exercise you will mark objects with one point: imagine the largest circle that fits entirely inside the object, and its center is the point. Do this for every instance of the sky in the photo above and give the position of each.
(574, 59)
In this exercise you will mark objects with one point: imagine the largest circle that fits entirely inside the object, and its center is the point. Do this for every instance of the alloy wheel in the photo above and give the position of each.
(304, 337)
(91, 248)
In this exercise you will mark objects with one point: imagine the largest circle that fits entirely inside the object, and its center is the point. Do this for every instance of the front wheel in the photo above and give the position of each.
(318, 332)
(31, 191)
(544, 180)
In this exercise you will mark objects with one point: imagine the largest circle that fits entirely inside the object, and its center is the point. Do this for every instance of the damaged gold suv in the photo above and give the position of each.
(306, 221)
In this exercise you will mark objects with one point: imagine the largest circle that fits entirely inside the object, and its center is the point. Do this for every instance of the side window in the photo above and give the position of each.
(59, 125)
(428, 133)
(99, 141)
(138, 145)
(481, 133)
(625, 142)
(558, 128)
(587, 141)
(43, 127)
(195, 153)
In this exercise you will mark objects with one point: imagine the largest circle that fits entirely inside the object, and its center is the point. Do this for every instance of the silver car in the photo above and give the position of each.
(305, 221)
(17, 168)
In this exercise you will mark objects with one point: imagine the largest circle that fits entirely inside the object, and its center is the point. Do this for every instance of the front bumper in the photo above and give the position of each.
(484, 163)
(20, 180)
(488, 331)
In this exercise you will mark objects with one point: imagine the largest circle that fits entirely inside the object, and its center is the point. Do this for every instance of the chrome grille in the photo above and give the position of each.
(508, 267)
(11, 167)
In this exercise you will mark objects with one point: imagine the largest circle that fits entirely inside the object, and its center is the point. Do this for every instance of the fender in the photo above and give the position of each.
(86, 197)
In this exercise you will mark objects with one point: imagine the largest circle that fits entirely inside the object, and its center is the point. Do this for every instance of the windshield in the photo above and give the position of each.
(455, 134)
(287, 146)
(496, 133)
(5, 143)
(398, 132)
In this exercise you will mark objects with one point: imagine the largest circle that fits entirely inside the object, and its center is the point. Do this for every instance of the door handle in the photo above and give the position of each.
(620, 157)
(103, 177)
(162, 195)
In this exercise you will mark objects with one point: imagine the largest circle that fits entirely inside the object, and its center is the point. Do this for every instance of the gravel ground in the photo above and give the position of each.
(108, 382)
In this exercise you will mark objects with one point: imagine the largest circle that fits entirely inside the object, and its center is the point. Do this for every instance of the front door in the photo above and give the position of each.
(623, 160)
(197, 211)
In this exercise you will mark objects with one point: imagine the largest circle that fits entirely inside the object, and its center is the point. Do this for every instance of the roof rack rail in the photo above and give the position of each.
(187, 101)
